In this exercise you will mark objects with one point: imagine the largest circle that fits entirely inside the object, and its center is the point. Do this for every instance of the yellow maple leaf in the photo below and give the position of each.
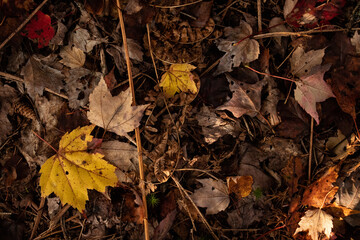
(178, 79)
(73, 170)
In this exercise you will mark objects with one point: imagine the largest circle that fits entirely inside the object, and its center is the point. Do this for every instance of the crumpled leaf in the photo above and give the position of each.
(214, 127)
(40, 28)
(213, 195)
(244, 52)
(315, 221)
(73, 170)
(38, 76)
(312, 89)
(73, 57)
(240, 185)
(7, 94)
(114, 114)
(246, 98)
(178, 79)
(303, 62)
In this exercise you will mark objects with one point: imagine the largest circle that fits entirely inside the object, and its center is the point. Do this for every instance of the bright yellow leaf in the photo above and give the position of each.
(178, 79)
(73, 170)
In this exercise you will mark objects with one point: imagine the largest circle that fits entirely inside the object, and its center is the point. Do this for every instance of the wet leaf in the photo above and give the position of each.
(73, 170)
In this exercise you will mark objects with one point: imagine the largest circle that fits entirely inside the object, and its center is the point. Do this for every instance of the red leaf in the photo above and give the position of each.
(40, 28)
(306, 13)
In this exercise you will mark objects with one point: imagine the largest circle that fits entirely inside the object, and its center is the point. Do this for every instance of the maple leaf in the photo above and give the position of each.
(213, 195)
(40, 28)
(178, 79)
(303, 62)
(312, 89)
(245, 51)
(114, 114)
(72, 57)
(73, 170)
(246, 98)
(315, 221)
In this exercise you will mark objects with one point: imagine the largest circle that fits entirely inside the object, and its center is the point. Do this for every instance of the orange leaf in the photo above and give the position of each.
(240, 185)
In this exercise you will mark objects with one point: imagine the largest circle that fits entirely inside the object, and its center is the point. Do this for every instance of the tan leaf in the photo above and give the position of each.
(246, 98)
(315, 221)
(302, 62)
(114, 114)
(72, 57)
(213, 195)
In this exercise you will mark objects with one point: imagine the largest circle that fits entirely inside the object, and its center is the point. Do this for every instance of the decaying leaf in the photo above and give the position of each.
(73, 170)
(321, 192)
(340, 146)
(303, 62)
(178, 79)
(7, 94)
(38, 76)
(214, 127)
(82, 39)
(246, 98)
(312, 89)
(213, 195)
(315, 221)
(114, 114)
(73, 57)
(244, 52)
(240, 185)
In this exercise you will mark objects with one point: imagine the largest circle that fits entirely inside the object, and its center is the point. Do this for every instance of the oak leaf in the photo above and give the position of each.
(178, 79)
(73, 57)
(73, 170)
(213, 195)
(315, 221)
(114, 114)
(312, 89)
(246, 98)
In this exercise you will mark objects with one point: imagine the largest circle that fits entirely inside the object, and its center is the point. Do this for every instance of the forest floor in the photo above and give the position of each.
(227, 119)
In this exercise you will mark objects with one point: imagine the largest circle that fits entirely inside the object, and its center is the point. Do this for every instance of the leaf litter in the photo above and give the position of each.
(224, 111)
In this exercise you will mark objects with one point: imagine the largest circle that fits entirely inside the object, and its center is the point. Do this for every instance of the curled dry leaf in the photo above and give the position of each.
(247, 50)
(312, 89)
(114, 114)
(73, 170)
(315, 221)
(73, 57)
(213, 195)
(246, 98)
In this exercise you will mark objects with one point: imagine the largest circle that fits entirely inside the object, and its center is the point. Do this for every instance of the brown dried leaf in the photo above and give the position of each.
(7, 94)
(240, 185)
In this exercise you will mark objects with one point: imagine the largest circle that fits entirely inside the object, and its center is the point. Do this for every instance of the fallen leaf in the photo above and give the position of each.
(114, 114)
(355, 41)
(240, 185)
(315, 221)
(246, 51)
(38, 76)
(7, 94)
(276, 24)
(289, 6)
(312, 89)
(82, 39)
(165, 225)
(340, 146)
(73, 57)
(40, 28)
(293, 171)
(339, 211)
(73, 170)
(303, 62)
(246, 98)
(321, 192)
(134, 49)
(214, 127)
(178, 79)
(213, 195)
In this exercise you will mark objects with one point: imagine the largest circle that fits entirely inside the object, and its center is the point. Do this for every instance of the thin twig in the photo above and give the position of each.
(22, 25)
(310, 148)
(176, 6)
(268, 74)
(259, 15)
(38, 217)
(137, 130)
(151, 52)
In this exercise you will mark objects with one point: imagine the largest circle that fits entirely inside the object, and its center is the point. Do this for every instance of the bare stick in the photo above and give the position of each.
(311, 147)
(137, 130)
(23, 24)
(259, 15)
(38, 217)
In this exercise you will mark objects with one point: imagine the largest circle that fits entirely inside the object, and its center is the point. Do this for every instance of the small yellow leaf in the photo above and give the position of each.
(73, 170)
(178, 79)
(240, 185)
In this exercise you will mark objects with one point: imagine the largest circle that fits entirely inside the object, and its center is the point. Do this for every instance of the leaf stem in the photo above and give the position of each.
(45, 141)
(267, 74)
